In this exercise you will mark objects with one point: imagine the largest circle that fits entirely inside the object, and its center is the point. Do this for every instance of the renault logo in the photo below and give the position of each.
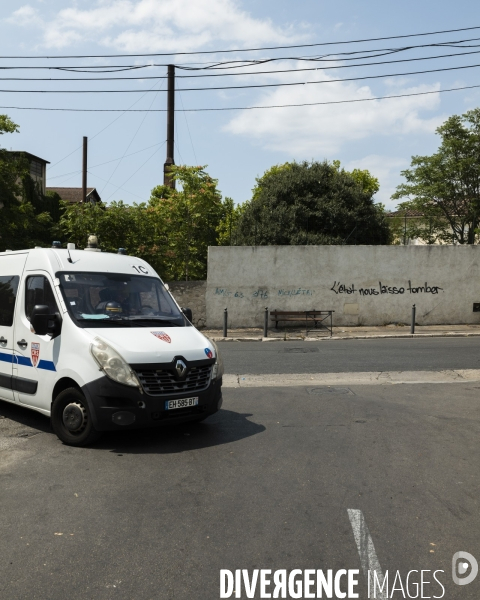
(180, 368)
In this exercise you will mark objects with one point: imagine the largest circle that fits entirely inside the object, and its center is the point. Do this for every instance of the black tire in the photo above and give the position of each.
(72, 401)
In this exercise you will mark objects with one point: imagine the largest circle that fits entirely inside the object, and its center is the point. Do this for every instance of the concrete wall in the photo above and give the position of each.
(365, 285)
(191, 294)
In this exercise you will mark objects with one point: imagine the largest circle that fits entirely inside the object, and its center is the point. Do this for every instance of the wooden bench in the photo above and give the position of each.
(315, 317)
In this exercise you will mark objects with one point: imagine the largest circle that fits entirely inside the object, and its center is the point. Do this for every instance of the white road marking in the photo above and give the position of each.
(353, 378)
(366, 551)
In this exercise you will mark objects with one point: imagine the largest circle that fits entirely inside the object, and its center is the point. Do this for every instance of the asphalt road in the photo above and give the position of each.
(266, 483)
(338, 356)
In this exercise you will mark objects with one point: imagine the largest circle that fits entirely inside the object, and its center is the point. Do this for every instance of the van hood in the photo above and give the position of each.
(141, 345)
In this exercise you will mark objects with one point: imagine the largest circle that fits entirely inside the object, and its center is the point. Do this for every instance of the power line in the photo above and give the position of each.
(392, 37)
(249, 62)
(134, 173)
(119, 188)
(385, 62)
(344, 56)
(238, 87)
(467, 87)
(188, 128)
(133, 138)
(102, 130)
(237, 64)
(107, 162)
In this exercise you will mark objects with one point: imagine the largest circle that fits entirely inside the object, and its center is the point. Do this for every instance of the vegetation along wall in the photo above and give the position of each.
(364, 285)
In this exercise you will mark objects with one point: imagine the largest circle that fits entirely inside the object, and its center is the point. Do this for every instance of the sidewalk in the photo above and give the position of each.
(343, 333)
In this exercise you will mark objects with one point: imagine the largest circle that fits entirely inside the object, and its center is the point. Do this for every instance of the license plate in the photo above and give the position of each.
(182, 403)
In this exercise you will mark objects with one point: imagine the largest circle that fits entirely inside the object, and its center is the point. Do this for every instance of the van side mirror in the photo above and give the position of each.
(43, 322)
(188, 313)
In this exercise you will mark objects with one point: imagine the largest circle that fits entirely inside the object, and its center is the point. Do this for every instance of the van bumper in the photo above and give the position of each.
(115, 407)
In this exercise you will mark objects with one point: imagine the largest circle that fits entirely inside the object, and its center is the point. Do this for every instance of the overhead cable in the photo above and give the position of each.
(231, 64)
(392, 37)
(227, 108)
(239, 87)
(322, 68)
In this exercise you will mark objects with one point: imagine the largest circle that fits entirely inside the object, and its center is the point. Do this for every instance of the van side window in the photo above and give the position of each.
(8, 293)
(39, 291)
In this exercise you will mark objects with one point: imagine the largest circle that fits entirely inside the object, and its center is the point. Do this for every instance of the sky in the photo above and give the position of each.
(127, 149)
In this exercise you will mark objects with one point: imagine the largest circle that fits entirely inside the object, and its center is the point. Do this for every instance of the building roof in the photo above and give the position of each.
(74, 195)
(408, 213)
(30, 155)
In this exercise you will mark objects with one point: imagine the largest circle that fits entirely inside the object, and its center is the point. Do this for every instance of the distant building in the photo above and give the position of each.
(402, 222)
(38, 172)
(74, 195)
(38, 169)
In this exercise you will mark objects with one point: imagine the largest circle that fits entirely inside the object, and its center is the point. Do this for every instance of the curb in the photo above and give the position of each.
(328, 380)
(345, 337)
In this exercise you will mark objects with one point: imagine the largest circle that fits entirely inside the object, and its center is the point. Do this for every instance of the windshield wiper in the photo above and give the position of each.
(154, 318)
(122, 321)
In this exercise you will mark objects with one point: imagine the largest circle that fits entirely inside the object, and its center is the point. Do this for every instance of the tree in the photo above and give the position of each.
(26, 215)
(119, 225)
(172, 231)
(190, 217)
(7, 125)
(22, 225)
(313, 203)
(445, 187)
(227, 229)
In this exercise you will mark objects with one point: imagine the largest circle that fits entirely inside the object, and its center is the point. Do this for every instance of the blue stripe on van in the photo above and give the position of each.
(25, 361)
(47, 365)
(4, 357)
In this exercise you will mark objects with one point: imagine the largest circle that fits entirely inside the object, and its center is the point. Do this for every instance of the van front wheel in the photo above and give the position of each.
(71, 419)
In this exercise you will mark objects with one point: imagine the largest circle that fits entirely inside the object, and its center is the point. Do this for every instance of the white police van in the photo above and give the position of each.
(95, 341)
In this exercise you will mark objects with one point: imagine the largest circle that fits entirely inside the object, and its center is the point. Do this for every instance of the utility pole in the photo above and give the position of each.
(167, 178)
(84, 170)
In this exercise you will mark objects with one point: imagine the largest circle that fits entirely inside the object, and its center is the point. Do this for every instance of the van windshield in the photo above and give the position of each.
(118, 300)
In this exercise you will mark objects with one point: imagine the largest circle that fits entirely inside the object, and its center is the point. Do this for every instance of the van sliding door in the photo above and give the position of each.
(11, 268)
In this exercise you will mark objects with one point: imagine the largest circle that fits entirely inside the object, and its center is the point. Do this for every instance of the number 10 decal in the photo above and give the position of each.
(140, 269)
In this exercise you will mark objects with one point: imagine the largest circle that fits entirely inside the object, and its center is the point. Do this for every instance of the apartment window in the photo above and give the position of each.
(36, 168)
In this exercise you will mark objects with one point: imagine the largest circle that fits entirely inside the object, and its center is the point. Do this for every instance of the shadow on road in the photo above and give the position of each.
(25, 416)
(224, 427)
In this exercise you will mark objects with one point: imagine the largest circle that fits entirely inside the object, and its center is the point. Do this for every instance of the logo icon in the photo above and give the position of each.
(181, 369)
(460, 568)
(161, 335)
(35, 353)
(208, 352)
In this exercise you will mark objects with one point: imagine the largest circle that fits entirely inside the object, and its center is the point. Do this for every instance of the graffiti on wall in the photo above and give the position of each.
(341, 288)
(263, 294)
(338, 288)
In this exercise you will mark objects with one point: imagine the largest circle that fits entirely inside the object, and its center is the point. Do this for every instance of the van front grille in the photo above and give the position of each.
(163, 382)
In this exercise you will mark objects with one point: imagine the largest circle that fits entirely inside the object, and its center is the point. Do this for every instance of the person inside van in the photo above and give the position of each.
(112, 301)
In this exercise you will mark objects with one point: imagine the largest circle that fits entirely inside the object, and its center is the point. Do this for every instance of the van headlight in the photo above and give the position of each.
(217, 370)
(112, 364)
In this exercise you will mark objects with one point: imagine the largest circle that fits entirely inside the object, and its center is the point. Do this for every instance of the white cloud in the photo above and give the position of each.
(25, 15)
(322, 131)
(160, 25)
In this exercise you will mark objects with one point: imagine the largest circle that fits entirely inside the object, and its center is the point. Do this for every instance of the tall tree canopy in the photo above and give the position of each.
(27, 217)
(313, 203)
(190, 216)
(445, 187)
(172, 231)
